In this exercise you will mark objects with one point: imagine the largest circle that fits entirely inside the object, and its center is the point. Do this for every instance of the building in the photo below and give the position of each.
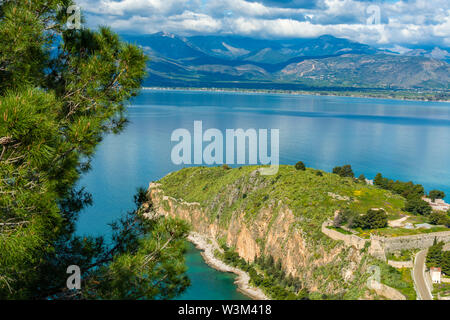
(438, 204)
(435, 275)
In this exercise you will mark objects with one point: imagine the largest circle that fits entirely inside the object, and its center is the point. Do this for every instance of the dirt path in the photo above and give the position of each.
(397, 223)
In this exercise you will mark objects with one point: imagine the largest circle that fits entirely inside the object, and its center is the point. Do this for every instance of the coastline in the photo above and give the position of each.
(207, 247)
(357, 94)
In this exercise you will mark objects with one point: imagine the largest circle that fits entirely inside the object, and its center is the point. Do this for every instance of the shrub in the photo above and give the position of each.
(362, 178)
(436, 194)
(373, 219)
(405, 189)
(434, 255)
(344, 171)
(300, 166)
(446, 262)
(417, 206)
(439, 218)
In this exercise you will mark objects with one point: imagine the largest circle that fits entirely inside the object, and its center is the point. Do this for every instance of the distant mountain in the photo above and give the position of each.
(434, 52)
(427, 51)
(325, 62)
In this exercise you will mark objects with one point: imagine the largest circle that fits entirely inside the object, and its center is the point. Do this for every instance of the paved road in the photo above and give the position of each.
(419, 272)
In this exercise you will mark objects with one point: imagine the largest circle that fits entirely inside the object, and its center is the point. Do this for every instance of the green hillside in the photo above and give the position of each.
(306, 193)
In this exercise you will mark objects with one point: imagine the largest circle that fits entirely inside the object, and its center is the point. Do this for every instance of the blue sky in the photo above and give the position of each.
(389, 23)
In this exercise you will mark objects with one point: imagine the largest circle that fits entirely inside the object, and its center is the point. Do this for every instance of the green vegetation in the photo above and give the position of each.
(405, 189)
(362, 178)
(344, 171)
(61, 91)
(442, 289)
(398, 232)
(300, 166)
(398, 279)
(437, 257)
(414, 202)
(373, 219)
(439, 218)
(404, 255)
(340, 230)
(436, 194)
(304, 192)
(417, 206)
(446, 262)
(268, 275)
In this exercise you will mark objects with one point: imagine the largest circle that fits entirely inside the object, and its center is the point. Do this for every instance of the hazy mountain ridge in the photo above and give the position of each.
(324, 62)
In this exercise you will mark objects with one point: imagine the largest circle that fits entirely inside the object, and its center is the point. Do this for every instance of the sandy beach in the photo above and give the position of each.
(208, 246)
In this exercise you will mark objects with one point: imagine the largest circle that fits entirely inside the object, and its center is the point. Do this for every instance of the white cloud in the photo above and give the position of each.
(403, 22)
(126, 7)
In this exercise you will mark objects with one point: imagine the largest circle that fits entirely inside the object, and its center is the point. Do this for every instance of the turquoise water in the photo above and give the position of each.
(402, 139)
(206, 282)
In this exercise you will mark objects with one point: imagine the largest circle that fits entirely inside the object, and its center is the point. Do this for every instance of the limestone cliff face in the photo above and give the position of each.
(274, 232)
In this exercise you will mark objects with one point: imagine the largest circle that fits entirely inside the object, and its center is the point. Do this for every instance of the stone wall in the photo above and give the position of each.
(400, 264)
(349, 239)
(419, 241)
(380, 246)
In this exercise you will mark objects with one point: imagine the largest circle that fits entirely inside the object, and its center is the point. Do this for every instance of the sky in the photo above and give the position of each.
(390, 23)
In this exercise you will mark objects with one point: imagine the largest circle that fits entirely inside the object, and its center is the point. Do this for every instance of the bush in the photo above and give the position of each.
(373, 219)
(417, 206)
(436, 194)
(274, 281)
(446, 262)
(362, 179)
(439, 218)
(300, 166)
(344, 171)
(405, 189)
(435, 254)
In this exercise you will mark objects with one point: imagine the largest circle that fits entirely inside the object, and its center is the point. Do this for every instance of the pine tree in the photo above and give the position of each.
(434, 255)
(61, 91)
(446, 262)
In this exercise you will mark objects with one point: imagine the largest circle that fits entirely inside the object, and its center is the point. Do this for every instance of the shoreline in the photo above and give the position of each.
(288, 92)
(207, 247)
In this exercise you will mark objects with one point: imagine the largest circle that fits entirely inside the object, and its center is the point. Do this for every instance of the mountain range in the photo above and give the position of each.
(323, 63)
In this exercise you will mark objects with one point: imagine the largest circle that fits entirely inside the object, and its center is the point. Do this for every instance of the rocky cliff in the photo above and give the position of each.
(251, 214)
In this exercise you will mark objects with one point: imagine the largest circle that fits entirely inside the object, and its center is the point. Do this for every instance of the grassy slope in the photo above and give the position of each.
(304, 192)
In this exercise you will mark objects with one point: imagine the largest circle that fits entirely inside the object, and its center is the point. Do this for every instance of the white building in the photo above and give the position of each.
(435, 275)
(438, 204)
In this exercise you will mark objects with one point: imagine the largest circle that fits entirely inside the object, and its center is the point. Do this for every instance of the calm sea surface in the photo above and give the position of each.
(401, 139)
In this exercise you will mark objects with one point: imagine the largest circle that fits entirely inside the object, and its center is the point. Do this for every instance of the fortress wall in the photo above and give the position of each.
(400, 264)
(349, 240)
(419, 241)
(379, 246)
